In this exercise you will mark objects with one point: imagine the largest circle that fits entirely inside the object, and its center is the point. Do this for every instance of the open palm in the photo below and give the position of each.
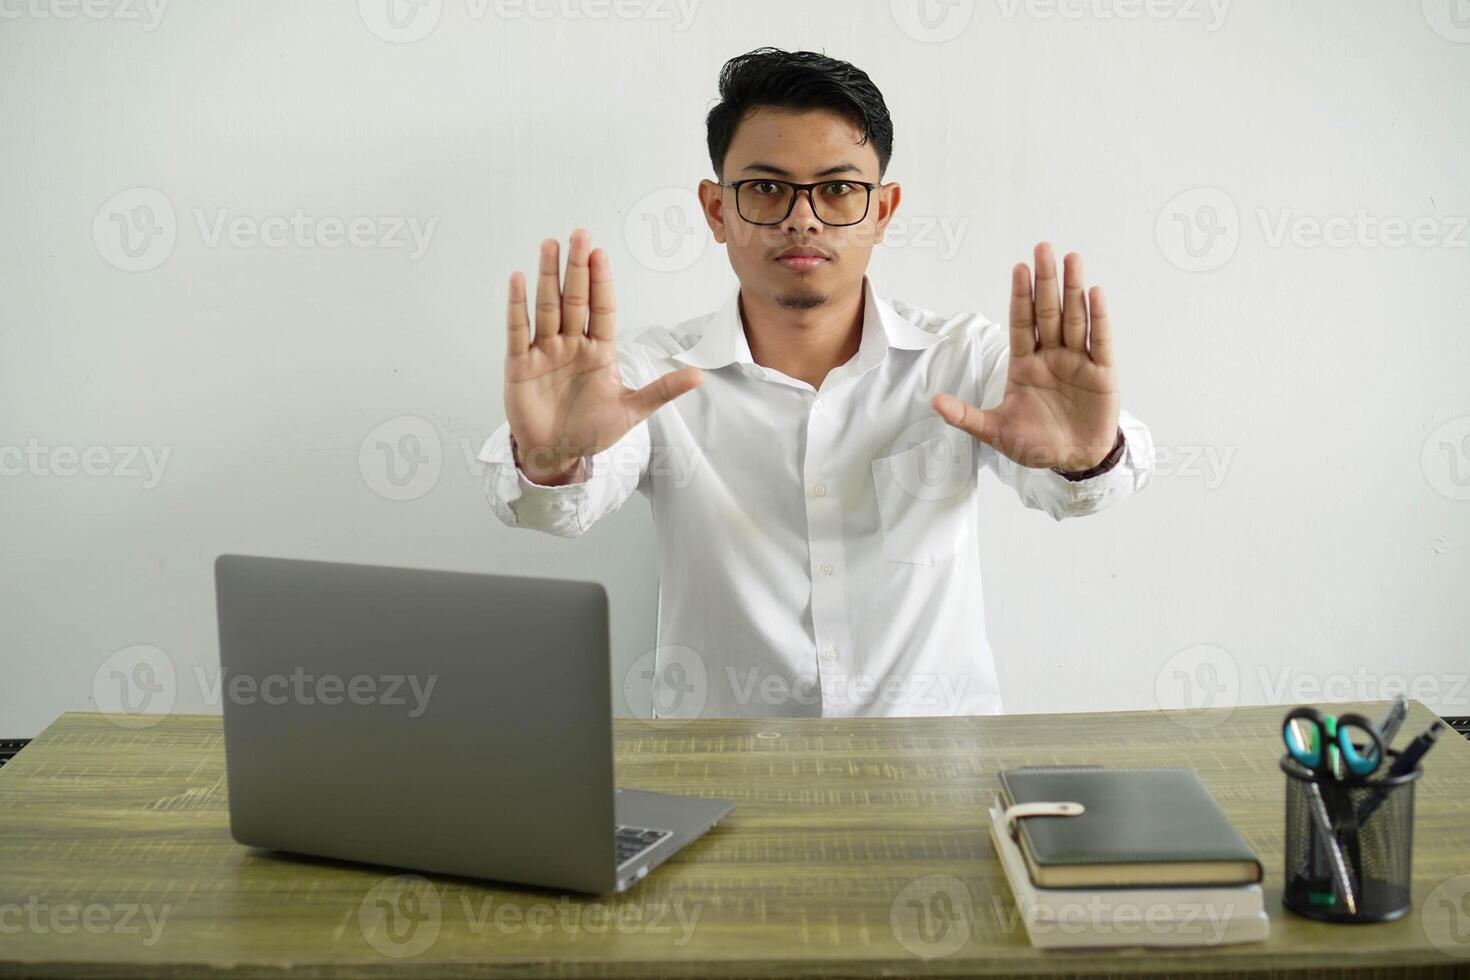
(1061, 403)
(564, 393)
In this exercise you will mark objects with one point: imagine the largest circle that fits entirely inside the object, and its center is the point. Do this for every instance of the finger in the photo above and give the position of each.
(1074, 304)
(1102, 330)
(653, 396)
(517, 323)
(1023, 316)
(548, 290)
(1048, 303)
(574, 292)
(983, 425)
(603, 304)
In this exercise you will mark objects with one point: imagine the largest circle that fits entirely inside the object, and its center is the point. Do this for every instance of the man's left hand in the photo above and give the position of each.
(1061, 402)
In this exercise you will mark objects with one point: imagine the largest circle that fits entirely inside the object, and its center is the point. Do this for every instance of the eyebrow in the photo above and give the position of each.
(769, 168)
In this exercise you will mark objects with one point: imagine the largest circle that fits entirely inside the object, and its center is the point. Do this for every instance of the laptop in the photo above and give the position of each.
(434, 721)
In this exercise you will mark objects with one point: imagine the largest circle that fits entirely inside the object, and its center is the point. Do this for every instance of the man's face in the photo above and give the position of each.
(800, 147)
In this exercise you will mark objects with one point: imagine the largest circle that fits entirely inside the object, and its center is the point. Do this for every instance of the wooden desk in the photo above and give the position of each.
(835, 819)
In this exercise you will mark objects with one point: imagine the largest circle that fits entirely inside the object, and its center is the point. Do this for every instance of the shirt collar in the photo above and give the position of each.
(724, 341)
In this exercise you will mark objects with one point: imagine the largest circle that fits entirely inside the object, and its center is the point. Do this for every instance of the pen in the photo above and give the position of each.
(1334, 757)
(1406, 762)
(1409, 758)
(1326, 842)
(1318, 808)
(1394, 719)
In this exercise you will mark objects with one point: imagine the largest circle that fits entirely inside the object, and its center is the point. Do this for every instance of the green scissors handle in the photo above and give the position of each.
(1351, 738)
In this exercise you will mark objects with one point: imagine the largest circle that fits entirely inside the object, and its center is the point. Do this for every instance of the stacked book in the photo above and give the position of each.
(1146, 858)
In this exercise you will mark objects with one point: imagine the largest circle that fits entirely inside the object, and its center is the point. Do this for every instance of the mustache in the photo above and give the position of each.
(825, 253)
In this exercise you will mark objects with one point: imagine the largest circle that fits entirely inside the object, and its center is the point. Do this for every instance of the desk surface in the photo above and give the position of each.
(116, 860)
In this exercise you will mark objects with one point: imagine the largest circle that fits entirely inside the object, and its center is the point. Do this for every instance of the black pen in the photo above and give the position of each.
(1409, 758)
(1406, 762)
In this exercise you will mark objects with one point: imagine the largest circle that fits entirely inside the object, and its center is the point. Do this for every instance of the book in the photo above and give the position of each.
(1140, 827)
(1075, 918)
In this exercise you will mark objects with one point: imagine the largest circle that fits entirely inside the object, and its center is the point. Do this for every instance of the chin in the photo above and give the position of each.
(801, 300)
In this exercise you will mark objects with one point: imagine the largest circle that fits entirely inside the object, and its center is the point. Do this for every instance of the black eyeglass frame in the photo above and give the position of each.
(796, 190)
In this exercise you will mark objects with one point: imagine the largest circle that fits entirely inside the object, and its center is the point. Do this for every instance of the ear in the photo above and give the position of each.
(712, 203)
(886, 198)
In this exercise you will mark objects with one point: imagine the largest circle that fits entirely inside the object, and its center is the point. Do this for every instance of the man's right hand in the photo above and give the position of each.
(564, 394)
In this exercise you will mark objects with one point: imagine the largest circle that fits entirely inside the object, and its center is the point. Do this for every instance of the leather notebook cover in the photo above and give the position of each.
(1157, 827)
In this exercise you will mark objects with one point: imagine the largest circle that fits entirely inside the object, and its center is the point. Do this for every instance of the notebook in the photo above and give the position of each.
(1076, 918)
(1140, 827)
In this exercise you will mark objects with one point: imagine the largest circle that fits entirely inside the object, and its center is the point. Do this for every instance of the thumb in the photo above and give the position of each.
(983, 425)
(662, 390)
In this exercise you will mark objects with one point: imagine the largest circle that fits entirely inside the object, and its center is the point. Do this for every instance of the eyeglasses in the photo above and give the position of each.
(762, 201)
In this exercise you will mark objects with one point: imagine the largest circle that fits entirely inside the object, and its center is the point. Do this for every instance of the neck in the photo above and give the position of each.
(803, 344)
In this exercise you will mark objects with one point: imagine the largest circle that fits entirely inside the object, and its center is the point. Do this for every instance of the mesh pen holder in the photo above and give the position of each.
(1372, 822)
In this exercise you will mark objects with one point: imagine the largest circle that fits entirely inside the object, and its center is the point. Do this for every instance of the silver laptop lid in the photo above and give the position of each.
(440, 721)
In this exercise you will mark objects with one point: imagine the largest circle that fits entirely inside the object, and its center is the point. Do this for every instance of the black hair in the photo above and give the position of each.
(796, 80)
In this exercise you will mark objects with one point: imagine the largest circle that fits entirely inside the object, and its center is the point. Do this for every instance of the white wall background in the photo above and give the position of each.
(1307, 538)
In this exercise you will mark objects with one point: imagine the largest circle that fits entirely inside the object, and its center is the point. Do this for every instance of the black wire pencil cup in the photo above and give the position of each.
(1349, 818)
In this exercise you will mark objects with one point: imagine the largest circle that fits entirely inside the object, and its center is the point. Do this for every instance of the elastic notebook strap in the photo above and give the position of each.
(1016, 811)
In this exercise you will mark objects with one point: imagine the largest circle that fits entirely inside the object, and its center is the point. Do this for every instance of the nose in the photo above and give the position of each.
(803, 214)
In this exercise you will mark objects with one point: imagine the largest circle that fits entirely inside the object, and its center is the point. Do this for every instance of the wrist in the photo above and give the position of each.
(544, 469)
(1107, 463)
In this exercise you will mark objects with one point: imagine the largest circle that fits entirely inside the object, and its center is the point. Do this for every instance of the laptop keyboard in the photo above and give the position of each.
(633, 841)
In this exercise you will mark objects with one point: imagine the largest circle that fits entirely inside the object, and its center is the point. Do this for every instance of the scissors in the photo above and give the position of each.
(1331, 744)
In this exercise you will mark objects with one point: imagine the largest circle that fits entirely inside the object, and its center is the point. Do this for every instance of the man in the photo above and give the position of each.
(811, 450)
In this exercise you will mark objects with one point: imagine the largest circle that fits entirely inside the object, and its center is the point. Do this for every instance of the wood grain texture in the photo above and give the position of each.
(857, 848)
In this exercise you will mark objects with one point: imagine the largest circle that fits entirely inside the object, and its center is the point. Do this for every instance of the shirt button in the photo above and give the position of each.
(820, 490)
(830, 653)
(826, 568)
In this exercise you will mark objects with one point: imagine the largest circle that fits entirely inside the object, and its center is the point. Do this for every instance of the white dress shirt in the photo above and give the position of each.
(817, 548)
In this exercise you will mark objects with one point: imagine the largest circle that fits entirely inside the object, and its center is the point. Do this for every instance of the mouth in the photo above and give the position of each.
(802, 260)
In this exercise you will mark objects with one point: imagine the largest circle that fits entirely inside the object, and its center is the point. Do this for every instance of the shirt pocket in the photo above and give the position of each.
(923, 499)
